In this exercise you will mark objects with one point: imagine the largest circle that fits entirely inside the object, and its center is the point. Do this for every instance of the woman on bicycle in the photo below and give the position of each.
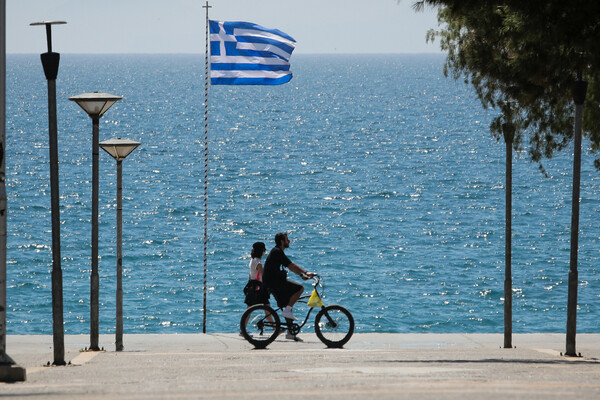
(254, 290)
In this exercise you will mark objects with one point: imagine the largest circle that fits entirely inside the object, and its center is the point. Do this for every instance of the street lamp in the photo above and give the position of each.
(119, 149)
(50, 61)
(95, 105)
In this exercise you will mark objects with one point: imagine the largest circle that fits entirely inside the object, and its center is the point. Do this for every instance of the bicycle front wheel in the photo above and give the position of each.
(260, 325)
(334, 326)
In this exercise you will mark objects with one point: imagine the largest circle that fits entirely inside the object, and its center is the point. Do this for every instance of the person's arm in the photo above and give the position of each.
(295, 268)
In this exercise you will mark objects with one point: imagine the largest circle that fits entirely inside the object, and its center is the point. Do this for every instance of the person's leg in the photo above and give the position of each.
(295, 297)
(264, 299)
(294, 291)
(269, 316)
(246, 321)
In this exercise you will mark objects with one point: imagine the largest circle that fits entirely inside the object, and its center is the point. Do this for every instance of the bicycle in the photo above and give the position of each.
(334, 325)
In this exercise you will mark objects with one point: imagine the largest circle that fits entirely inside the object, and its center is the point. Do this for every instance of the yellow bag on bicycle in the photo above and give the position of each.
(314, 300)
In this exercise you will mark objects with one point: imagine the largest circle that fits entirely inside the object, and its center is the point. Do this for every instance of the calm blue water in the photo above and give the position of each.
(382, 171)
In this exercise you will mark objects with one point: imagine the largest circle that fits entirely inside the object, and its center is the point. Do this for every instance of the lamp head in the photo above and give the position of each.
(119, 148)
(95, 104)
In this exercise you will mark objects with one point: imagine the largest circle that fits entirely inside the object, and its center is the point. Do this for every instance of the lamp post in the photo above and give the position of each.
(119, 149)
(50, 61)
(9, 371)
(95, 105)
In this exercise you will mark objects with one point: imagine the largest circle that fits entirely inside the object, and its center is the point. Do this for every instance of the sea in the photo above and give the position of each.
(382, 171)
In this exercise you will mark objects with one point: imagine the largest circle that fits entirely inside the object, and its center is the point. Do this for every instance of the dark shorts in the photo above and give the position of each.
(283, 292)
(255, 293)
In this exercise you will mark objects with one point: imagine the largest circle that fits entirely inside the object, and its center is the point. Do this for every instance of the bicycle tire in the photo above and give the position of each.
(259, 331)
(334, 326)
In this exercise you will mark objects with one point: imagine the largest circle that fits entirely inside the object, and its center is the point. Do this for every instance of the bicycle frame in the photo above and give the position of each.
(302, 299)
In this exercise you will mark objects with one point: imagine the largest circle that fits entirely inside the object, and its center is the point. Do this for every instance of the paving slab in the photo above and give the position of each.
(372, 365)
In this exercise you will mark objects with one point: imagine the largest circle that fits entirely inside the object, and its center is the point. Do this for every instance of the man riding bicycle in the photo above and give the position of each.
(286, 292)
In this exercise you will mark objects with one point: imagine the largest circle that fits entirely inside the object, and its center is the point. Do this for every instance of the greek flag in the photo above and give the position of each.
(242, 53)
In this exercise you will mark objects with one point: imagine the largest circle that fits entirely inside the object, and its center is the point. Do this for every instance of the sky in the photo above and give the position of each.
(178, 26)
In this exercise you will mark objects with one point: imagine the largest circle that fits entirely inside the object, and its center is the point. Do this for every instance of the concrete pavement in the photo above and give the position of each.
(372, 365)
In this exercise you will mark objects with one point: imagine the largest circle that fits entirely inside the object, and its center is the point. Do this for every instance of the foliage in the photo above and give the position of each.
(524, 57)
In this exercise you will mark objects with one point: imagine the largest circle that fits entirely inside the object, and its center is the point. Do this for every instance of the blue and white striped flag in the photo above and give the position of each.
(242, 53)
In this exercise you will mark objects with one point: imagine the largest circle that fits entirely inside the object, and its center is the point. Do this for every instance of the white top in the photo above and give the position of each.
(254, 263)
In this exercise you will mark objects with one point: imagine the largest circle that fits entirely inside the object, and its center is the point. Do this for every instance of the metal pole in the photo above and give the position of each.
(579, 98)
(206, 71)
(9, 372)
(50, 62)
(95, 280)
(508, 137)
(57, 280)
(119, 330)
(4, 359)
(119, 149)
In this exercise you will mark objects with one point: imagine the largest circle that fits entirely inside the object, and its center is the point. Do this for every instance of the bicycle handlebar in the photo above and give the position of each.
(316, 278)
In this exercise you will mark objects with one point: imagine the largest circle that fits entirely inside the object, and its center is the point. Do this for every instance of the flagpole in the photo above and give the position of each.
(206, 83)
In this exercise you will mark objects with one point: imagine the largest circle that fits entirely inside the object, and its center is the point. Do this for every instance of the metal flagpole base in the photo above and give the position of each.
(9, 372)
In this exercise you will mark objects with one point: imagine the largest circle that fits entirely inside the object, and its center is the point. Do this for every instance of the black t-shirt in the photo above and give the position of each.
(273, 274)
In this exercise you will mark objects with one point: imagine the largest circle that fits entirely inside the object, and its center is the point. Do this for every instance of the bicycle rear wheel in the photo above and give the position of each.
(260, 325)
(334, 326)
